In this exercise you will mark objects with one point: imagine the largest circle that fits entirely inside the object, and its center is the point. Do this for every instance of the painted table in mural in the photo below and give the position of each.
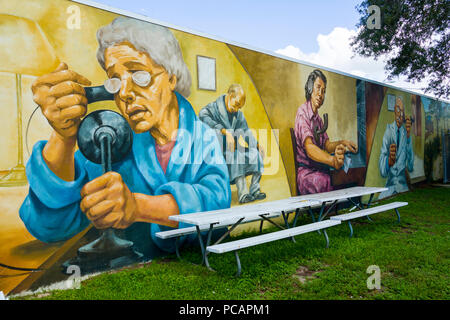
(237, 215)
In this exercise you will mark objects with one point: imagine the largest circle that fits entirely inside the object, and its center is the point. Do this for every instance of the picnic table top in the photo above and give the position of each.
(250, 211)
(341, 194)
(245, 211)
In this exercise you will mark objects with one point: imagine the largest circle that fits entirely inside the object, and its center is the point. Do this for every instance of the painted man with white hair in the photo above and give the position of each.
(397, 154)
(175, 167)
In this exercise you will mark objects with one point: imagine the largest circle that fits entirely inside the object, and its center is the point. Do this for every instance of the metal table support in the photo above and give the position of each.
(359, 205)
(226, 234)
(238, 262)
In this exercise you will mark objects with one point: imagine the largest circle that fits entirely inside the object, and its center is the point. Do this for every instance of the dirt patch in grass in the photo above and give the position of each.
(404, 229)
(303, 274)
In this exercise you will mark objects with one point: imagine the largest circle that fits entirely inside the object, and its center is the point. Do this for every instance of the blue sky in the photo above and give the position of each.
(264, 24)
(314, 31)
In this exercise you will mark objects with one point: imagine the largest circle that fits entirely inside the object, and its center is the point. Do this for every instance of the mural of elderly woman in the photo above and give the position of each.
(145, 68)
(314, 151)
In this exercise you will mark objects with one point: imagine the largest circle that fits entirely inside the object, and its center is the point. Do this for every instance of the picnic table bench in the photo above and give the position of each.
(232, 217)
(366, 212)
(269, 237)
(177, 233)
(237, 215)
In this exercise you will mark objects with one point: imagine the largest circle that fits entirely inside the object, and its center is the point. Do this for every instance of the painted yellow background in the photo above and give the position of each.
(281, 84)
(75, 47)
(78, 49)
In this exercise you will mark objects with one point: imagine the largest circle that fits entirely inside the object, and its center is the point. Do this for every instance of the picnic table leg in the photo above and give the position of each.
(285, 217)
(286, 222)
(326, 238)
(370, 200)
(205, 252)
(351, 229)
(297, 213)
(332, 205)
(322, 208)
(398, 215)
(177, 247)
(238, 262)
(207, 262)
(229, 231)
(368, 205)
(360, 205)
(208, 241)
(200, 240)
(323, 215)
(321, 212)
(273, 222)
(311, 213)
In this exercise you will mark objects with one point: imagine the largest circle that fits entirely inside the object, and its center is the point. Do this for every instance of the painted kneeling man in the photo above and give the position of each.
(224, 115)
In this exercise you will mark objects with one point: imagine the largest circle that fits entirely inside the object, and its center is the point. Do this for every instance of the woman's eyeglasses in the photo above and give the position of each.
(141, 78)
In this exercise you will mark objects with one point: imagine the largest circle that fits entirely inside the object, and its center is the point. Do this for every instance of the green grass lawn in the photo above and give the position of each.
(413, 257)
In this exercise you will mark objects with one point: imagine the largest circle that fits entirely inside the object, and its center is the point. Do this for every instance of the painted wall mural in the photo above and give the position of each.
(111, 124)
(437, 125)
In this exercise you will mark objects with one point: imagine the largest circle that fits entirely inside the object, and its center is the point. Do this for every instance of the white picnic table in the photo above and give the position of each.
(266, 210)
(247, 212)
(241, 214)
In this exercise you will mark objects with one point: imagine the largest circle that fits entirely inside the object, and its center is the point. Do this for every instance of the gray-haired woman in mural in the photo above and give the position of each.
(150, 81)
(313, 153)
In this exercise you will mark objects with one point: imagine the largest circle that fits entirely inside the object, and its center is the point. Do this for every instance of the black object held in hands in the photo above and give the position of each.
(318, 132)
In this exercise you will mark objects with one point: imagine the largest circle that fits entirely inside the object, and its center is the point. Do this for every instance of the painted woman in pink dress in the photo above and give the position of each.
(314, 154)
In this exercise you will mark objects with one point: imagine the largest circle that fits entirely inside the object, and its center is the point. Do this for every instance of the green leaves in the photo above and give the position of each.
(415, 37)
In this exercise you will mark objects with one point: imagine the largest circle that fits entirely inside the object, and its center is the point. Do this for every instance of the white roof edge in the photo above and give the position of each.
(245, 46)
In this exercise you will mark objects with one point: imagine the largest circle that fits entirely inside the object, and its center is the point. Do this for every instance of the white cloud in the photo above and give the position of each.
(336, 53)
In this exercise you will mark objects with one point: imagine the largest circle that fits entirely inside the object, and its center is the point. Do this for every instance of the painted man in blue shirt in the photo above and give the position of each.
(397, 154)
